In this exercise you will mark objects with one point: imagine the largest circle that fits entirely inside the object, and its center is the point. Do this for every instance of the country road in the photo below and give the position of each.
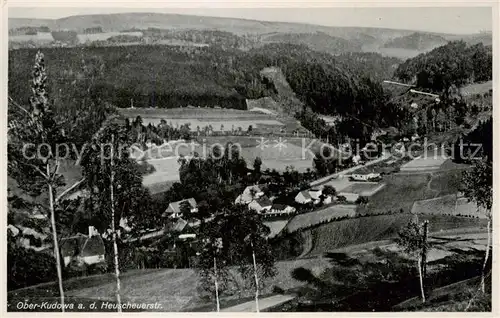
(264, 303)
(320, 181)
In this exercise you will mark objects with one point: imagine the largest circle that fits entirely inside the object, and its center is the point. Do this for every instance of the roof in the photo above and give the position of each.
(82, 245)
(179, 226)
(279, 207)
(264, 201)
(175, 207)
(305, 194)
(247, 196)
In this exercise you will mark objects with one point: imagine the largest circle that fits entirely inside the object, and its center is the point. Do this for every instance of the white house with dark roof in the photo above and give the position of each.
(261, 204)
(303, 197)
(88, 249)
(249, 194)
(174, 208)
(315, 194)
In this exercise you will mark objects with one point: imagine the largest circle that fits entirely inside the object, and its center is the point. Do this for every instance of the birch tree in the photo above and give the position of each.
(115, 188)
(413, 239)
(478, 188)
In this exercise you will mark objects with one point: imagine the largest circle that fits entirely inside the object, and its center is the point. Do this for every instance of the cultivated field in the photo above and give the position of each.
(309, 219)
(448, 205)
(166, 170)
(275, 153)
(218, 119)
(364, 188)
(402, 190)
(174, 289)
(191, 113)
(477, 88)
(361, 230)
(423, 164)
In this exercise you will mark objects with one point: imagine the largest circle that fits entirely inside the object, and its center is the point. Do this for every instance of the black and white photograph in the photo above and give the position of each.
(249, 159)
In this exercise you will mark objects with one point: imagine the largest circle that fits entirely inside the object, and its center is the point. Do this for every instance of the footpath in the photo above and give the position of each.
(264, 303)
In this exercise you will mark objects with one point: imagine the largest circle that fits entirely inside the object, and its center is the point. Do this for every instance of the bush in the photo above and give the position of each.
(96, 269)
(278, 290)
(27, 267)
(361, 200)
(341, 199)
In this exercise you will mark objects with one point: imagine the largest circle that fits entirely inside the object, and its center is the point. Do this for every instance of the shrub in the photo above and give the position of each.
(361, 200)
(27, 267)
(341, 199)
(278, 290)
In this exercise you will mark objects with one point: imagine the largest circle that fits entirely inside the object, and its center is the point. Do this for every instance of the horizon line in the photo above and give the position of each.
(254, 20)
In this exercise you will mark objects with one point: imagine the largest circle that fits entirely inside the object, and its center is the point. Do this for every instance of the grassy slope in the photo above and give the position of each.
(174, 289)
(343, 233)
(402, 190)
(454, 297)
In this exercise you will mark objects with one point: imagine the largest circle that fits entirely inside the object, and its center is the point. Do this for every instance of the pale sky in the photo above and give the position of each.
(457, 20)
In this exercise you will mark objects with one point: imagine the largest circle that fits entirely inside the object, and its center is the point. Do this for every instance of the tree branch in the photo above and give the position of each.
(65, 192)
(38, 170)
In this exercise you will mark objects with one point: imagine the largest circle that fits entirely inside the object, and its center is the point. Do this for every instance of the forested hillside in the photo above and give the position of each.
(318, 41)
(417, 41)
(455, 63)
(169, 77)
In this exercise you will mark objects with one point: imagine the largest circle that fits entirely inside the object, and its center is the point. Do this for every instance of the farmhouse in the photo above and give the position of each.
(183, 229)
(87, 249)
(260, 205)
(174, 208)
(315, 193)
(303, 197)
(249, 194)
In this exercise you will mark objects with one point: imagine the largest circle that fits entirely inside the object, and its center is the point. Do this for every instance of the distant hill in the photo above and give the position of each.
(416, 41)
(123, 21)
(318, 41)
(321, 38)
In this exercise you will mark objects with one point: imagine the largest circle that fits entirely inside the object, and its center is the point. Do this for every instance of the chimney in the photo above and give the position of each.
(91, 231)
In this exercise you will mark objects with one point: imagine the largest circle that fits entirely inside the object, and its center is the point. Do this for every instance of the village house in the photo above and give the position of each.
(303, 197)
(174, 208)
(261, 204)
(249, 194)
(315, 194)
(327, 199)
(87, 249)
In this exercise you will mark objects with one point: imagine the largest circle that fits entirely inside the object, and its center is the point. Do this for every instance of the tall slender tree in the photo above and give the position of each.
(413, 239)
(478, 187)
(37, 172)
(114, 183)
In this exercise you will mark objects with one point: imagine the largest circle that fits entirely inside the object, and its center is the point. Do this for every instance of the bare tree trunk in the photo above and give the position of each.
(256, 279)
(216, 285)
(421, 279)
(113, 229)
(424, 254)
(56, 244)
(483, 272)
